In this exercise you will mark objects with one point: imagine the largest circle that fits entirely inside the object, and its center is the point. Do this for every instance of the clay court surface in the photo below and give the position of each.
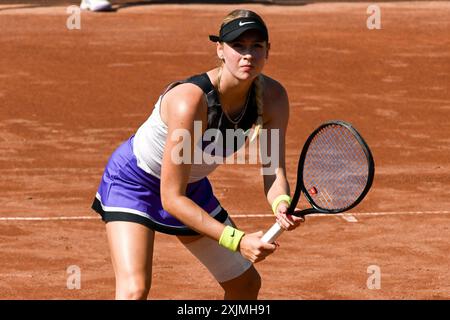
(69, 97)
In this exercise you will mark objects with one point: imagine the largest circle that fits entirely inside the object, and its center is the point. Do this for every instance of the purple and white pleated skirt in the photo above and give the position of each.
(128, 193)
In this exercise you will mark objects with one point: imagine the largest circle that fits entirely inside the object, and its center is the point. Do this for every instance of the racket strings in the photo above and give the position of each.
(336, 167)
(334, 160)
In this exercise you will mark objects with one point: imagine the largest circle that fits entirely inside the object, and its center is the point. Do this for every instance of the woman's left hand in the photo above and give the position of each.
(287, 221)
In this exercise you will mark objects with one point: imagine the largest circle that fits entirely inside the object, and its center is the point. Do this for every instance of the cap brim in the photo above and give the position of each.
(233, 35)
(214, 38)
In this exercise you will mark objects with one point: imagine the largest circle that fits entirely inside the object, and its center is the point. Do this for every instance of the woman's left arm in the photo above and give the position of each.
(273, 150)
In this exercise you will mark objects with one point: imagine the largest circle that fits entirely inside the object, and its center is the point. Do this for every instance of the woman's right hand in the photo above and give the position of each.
(253, 249)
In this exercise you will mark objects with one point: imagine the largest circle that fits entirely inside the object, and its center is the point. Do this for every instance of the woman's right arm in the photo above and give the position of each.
(184, 105)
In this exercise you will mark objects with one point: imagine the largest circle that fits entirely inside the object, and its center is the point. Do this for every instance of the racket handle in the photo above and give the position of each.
(274, 232)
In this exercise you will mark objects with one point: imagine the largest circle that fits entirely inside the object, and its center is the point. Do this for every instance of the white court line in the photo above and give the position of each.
(349, 218)
(47, 218)
(362, 214)
(388, 213)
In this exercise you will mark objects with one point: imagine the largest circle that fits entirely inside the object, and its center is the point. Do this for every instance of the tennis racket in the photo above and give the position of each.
(335, 172)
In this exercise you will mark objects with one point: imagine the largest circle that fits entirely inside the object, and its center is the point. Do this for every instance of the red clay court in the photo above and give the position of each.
(69, 97)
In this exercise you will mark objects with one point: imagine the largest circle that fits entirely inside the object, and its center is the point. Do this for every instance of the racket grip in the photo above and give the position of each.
(274, 232)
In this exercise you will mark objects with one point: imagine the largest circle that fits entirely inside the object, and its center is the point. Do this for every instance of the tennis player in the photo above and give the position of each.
(145, 189)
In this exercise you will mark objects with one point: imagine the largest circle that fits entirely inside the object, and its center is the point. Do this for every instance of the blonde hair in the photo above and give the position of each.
(259, 81)
(259, 97)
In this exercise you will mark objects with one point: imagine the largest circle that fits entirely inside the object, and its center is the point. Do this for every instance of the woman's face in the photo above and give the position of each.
(245, 57)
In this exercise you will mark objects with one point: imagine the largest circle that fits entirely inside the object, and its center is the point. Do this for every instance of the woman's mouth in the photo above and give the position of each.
(247, 67)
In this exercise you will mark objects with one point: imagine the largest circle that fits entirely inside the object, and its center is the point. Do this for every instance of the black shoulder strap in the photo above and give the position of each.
(212, 99)
(201, 80)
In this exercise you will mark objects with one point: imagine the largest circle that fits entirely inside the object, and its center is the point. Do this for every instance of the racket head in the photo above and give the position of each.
(335, 170)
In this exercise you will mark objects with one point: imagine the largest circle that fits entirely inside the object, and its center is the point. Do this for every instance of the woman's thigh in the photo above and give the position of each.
(131, 248)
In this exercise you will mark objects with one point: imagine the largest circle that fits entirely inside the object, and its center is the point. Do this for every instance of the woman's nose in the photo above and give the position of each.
(247, 53)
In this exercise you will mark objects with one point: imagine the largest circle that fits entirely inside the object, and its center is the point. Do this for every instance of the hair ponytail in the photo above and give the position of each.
(259, 92)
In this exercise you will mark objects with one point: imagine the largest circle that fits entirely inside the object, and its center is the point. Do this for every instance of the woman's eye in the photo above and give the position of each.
(241, 46)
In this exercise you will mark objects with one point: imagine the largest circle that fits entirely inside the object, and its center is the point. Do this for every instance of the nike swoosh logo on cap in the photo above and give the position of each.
(244, 23)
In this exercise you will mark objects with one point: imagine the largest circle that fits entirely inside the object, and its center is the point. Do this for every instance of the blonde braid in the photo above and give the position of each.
(259, 91)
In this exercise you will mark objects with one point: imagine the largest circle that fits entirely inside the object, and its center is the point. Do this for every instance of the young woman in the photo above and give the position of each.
(146, 188)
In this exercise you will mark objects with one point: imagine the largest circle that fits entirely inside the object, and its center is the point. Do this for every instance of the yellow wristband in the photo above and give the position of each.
(230, 238)
(276, 202)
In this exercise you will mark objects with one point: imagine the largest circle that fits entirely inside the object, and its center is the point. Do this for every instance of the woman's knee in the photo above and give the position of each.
(133, 288)
(246, 286)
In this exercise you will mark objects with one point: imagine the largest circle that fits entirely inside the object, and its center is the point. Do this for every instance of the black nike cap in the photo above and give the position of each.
(233, 29)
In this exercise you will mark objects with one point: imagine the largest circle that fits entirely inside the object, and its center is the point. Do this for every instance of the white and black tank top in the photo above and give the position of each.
(150, 138)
